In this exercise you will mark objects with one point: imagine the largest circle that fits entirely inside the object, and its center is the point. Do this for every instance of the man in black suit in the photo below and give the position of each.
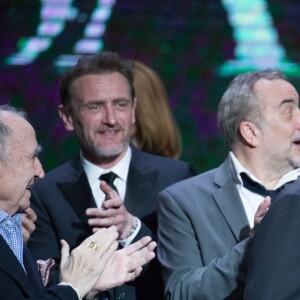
(98, 104)
(274, 266)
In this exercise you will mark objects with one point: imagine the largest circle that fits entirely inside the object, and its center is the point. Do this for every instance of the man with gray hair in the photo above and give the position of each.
(206, 222)
(81, 269)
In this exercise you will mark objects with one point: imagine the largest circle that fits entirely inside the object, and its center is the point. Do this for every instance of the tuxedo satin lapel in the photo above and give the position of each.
(10, 265)
(140, 182)
(79, 195)
(230, 203)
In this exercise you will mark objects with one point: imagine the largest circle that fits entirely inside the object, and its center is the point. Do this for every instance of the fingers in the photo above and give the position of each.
(115, 202)
(105, 218)
(139, 256)
(110, 251)
(28, 226)
(30, 213)
(137, 245)
(263, 207)
(108, 191)
(104, 237)
(85, 264)
(137, 272)
(64, 252)
(104, 213)
(118, 221)
(260, 213)
(109, 208)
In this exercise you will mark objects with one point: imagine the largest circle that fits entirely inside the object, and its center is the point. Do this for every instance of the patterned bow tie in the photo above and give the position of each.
(45, 267)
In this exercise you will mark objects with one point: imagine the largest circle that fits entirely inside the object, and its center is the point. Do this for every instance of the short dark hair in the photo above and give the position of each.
(103, 63)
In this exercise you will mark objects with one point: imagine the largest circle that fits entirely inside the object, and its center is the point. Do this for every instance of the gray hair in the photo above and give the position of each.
(241, 103)
(6, 131)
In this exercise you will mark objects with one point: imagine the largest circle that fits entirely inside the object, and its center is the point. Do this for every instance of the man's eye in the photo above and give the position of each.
(122, 104)
(93, 107)
(290, 113)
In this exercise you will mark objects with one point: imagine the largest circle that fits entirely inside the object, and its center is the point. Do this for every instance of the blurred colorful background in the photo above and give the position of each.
(196, 46)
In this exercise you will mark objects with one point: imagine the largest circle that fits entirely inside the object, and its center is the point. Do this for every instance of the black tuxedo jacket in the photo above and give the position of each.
(274, 269)
(15, 284)
(62, 197)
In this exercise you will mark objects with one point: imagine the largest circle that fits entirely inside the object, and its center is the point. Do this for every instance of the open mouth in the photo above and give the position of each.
(109, 132)
(28, 187)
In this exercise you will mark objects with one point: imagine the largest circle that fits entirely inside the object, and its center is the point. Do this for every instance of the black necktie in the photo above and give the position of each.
(257, 188)
(109, 179)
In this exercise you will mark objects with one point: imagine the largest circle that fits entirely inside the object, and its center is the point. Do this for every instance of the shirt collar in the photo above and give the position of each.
(238, 168)
(17, 217)
(93, 172)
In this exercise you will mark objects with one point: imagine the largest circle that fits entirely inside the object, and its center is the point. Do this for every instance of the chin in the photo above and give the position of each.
(25, 203)
(111, 151)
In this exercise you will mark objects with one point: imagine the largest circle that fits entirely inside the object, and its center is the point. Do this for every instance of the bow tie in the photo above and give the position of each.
(257, 188)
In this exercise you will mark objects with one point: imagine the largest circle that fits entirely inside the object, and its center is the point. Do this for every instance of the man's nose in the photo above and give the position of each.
(39, 171)
(109, 115)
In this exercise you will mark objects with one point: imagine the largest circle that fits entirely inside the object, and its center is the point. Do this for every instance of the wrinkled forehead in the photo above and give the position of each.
(97, 84)
(22, 135)
(275, 90)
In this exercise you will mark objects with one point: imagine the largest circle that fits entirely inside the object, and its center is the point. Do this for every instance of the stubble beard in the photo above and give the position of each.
(104, 153)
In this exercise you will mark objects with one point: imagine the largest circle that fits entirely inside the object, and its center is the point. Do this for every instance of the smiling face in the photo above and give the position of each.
(101, 114)
(17, 174)
(280, 139)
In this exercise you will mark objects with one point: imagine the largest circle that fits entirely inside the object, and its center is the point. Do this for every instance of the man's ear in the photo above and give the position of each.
(250, 133)
(66, 117)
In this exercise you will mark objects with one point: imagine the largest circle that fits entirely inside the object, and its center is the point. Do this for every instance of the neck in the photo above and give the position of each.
(262, 171)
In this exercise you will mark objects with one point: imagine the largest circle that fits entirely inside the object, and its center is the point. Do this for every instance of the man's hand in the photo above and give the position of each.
(260, 213)
(113, 212)
(83, 267)
(126, 264)
(28, 226)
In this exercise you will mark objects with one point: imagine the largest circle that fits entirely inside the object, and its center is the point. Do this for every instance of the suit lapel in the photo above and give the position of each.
(77, 192)
(10, 265)
(140, 182)
(229, 202)
(32, 271)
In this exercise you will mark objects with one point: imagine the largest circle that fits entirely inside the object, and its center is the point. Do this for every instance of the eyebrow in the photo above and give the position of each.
(100, 101)
(288, 101)
(38, 150)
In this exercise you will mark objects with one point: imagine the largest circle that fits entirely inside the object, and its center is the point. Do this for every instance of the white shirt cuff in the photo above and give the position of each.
(130, 238)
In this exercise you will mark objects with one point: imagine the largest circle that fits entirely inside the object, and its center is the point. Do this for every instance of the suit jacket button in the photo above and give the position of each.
(121, 296)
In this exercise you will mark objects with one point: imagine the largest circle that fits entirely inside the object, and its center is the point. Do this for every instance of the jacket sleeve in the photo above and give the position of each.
(181, 255)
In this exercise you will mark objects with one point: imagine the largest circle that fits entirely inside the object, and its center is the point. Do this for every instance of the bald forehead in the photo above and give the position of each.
(8, 117)
(17, 124)
(263, 84)
(275, 91)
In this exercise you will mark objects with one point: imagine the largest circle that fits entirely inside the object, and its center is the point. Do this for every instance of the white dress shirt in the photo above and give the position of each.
(121, 169)
(250, 199)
